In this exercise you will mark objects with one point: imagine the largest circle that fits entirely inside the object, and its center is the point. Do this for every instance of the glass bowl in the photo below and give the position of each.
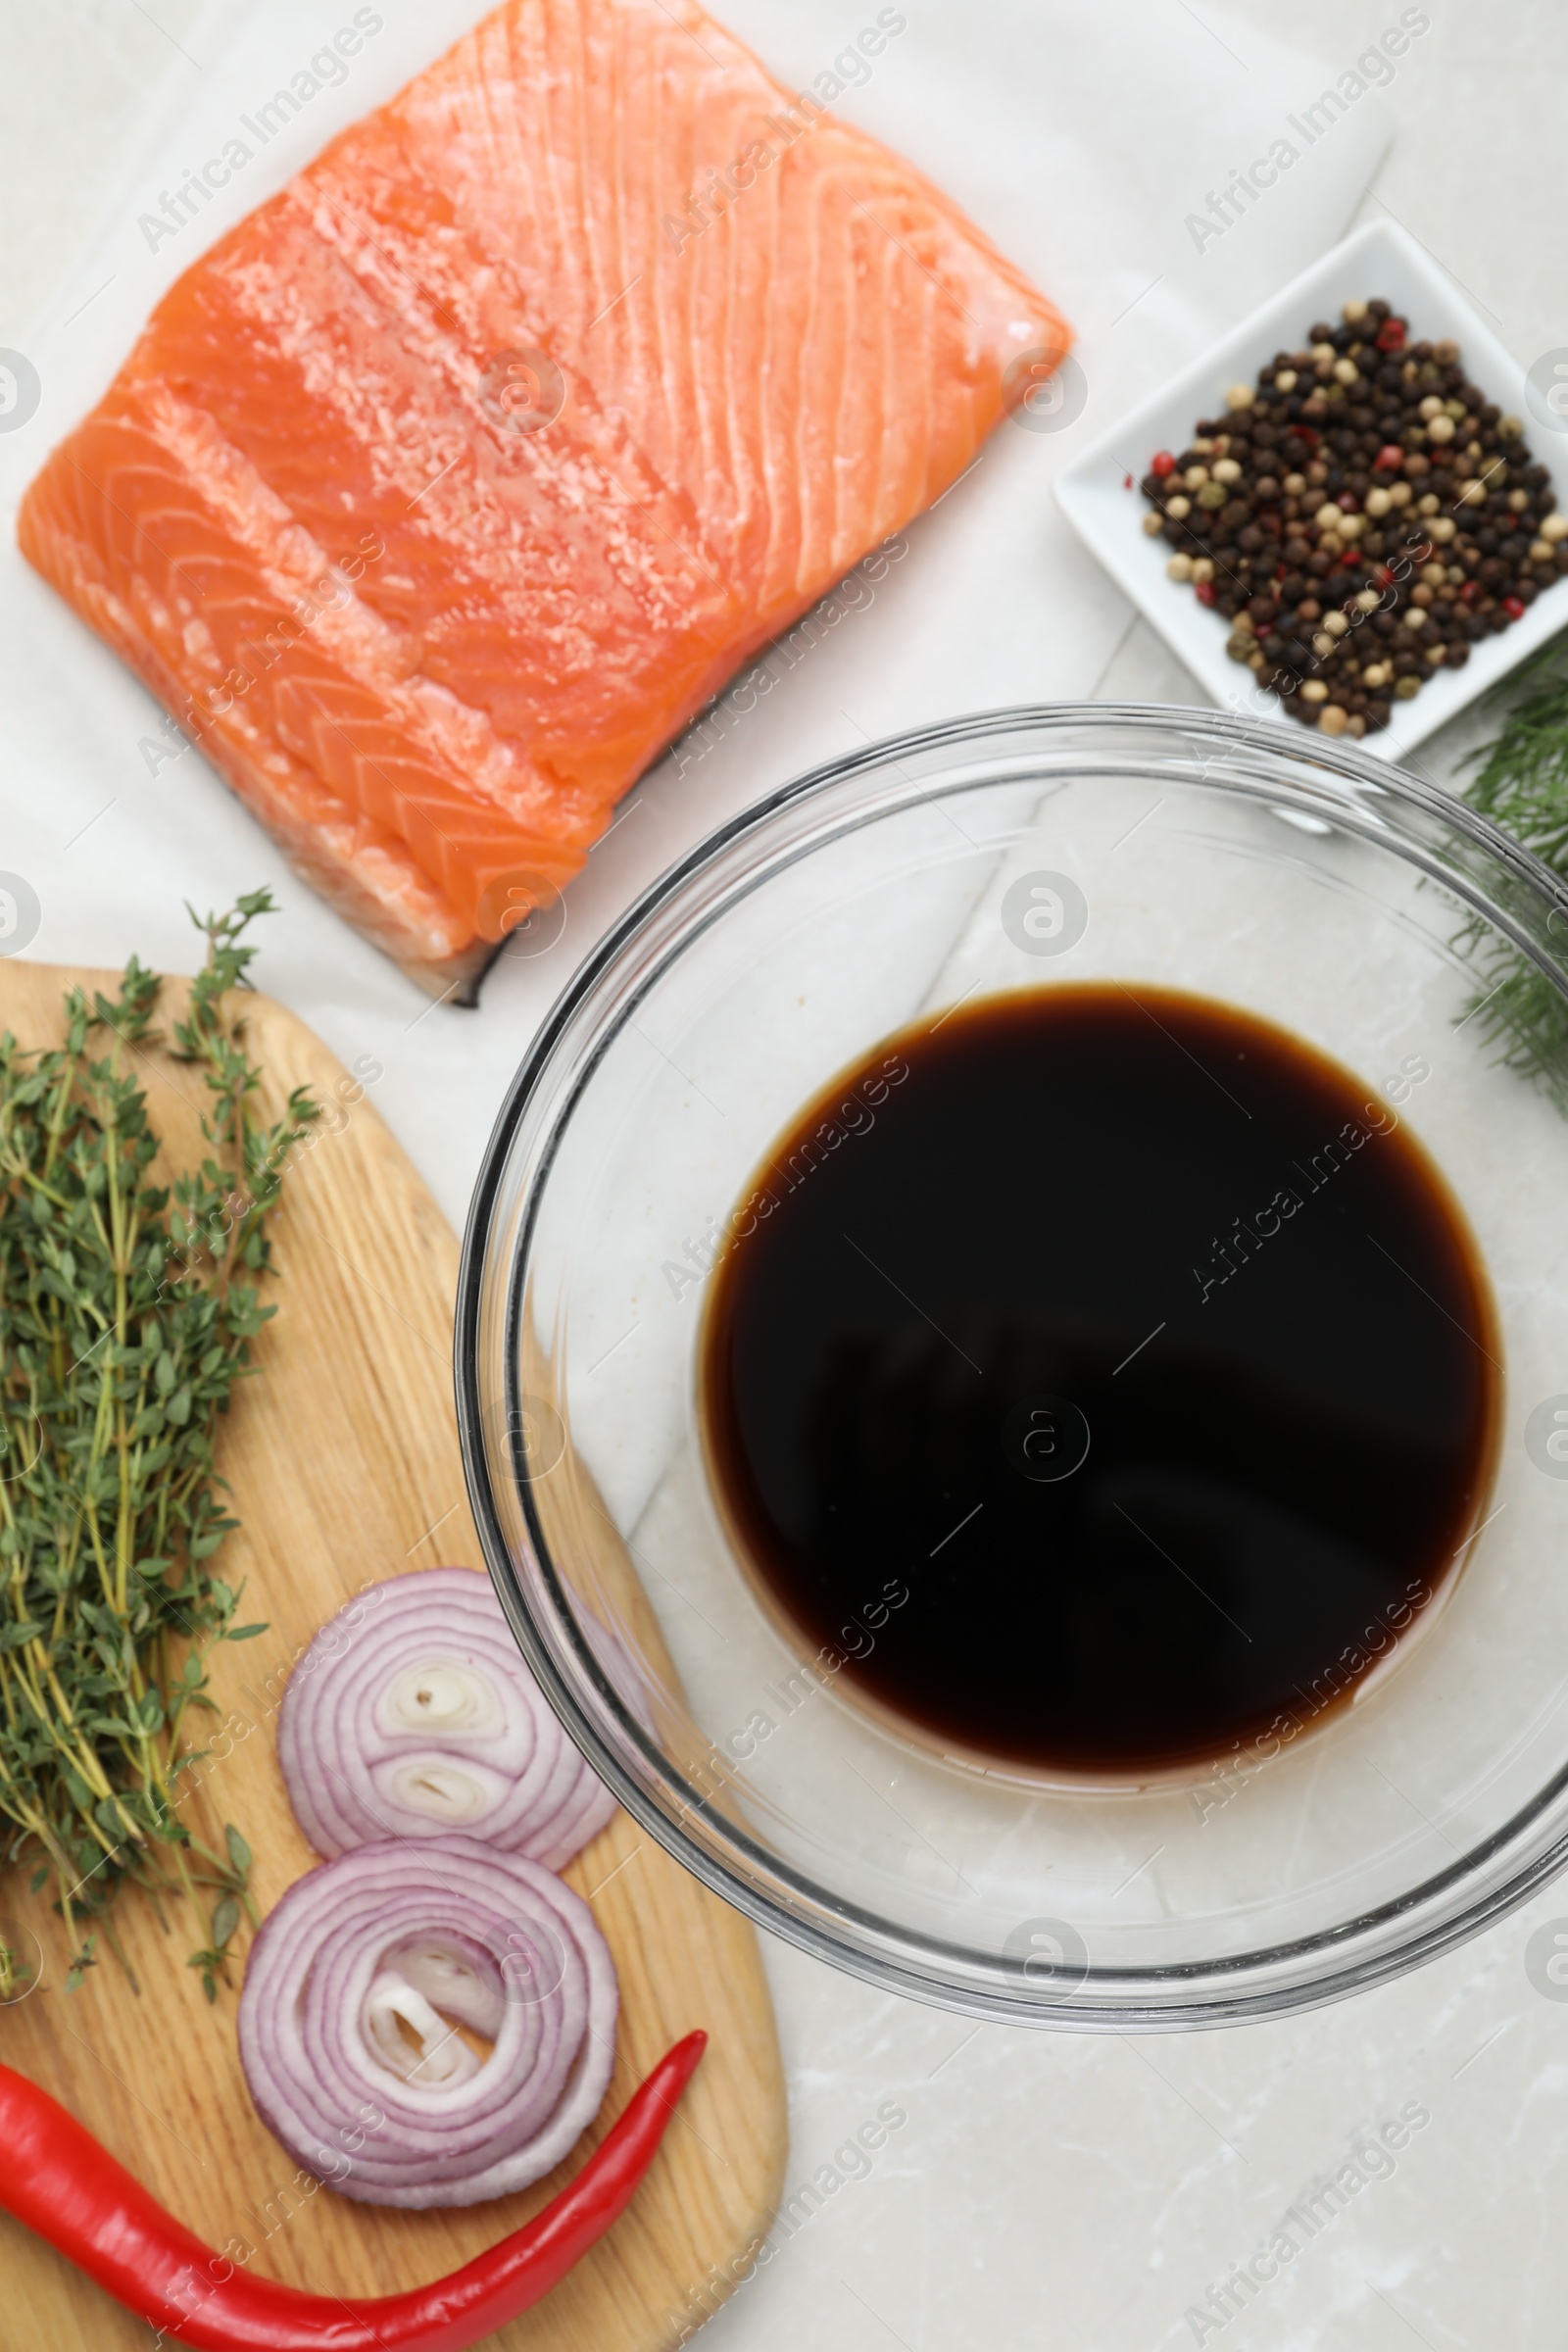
(1307, 882)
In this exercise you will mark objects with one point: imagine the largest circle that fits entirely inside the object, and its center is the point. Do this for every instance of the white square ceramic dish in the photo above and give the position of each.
(1107, 514)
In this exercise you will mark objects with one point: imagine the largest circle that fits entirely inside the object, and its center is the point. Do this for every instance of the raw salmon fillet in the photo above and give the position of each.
(442, 492)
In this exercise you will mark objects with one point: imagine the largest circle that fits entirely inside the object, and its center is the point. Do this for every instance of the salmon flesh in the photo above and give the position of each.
(439, 496)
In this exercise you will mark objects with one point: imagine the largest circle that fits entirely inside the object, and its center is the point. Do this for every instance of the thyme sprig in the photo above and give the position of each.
(16, 1976)
(1522, 782)
(127, 1312)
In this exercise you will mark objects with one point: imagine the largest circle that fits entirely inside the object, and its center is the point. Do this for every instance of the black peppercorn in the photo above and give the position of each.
(1266, 553)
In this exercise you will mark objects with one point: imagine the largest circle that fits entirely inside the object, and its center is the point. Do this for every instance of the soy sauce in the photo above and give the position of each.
(1117, 1366)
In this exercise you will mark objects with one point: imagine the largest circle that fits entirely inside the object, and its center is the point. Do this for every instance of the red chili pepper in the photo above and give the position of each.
(1389, 337)
(64, 2184)
(1162, 462)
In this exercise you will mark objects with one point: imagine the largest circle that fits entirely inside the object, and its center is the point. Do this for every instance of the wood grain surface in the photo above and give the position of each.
(344, 1462)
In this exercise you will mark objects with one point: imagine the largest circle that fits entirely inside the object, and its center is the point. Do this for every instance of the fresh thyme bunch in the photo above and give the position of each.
(128, 1311)
(1522, 781)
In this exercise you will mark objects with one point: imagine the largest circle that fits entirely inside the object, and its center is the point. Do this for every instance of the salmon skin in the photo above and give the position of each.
(442, 492)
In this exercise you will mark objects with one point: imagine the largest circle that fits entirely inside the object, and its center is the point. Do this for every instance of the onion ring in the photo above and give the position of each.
(413, 1714)
(355, 1990)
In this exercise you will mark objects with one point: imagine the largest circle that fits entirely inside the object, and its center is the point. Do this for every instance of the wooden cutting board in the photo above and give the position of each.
(343, 1459)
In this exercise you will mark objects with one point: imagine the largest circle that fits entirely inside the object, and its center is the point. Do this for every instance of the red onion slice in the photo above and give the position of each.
(354, 1990)
(413, 1714)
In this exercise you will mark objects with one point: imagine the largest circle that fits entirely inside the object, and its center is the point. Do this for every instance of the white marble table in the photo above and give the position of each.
(1045, 2190)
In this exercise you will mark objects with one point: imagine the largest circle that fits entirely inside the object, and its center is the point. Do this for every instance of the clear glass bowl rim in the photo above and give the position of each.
(1332, 781)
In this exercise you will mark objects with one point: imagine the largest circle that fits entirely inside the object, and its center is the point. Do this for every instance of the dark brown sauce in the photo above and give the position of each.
(1102, 1378)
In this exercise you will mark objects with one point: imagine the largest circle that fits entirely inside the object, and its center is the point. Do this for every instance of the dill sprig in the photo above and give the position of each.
(1522, 783)
(127, 1312)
